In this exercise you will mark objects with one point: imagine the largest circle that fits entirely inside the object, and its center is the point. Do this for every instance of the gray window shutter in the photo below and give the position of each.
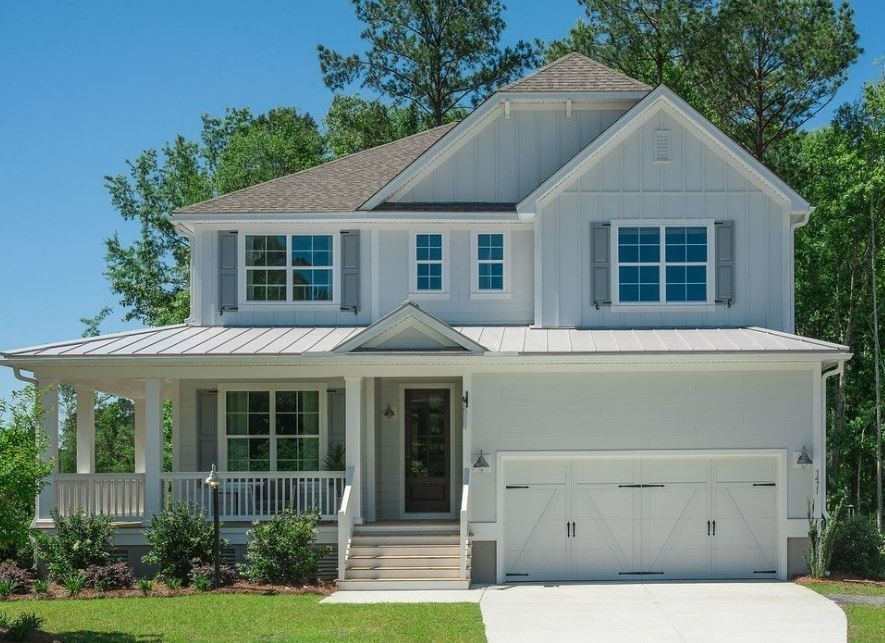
(724, 262)
(350, 270)
(600, 258)
(227, 270)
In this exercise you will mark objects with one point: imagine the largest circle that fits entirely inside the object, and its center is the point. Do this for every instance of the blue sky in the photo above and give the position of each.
(86, 85)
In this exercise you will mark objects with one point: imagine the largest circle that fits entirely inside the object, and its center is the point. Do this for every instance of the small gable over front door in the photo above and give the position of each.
(409, 329)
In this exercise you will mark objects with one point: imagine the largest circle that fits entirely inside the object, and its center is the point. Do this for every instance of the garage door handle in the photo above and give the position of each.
(568, 533)
(574, 531)
(708, 527)
(714, 527)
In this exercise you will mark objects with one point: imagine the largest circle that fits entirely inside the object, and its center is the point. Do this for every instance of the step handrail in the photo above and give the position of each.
(345, 524)
(465, 522)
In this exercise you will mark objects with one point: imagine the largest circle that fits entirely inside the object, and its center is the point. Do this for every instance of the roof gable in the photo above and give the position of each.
(409, 329)
(663, 98)
(341, 185)
(576, 72)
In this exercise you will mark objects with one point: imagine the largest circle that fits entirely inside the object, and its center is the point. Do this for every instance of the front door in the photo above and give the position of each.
(427, 442)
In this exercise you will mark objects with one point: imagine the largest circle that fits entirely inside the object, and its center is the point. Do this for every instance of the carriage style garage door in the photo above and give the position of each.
(619, 518)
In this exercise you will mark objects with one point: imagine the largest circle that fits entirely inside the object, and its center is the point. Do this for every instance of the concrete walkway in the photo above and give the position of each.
(662, 612)
(613, 612)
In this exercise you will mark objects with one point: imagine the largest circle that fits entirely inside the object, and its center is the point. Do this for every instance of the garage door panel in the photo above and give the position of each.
(535, 471)
(735, 532)
(745, 469)
(745, 563)
(611, 501)
(743, 500)
(605, 471)
(675, 501)
(677, 563)
(535, 519)
(535, 502)
(672, 470)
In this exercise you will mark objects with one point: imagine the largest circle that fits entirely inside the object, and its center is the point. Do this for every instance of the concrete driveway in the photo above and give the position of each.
(660, 612)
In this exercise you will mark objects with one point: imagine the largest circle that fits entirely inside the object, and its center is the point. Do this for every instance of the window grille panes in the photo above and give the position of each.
(312, 267)
(490, 257)
(248, 430)
(265, 267)
(639, 253)
(429, 261)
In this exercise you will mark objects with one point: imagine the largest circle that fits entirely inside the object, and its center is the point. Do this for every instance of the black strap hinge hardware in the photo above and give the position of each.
(517, 486)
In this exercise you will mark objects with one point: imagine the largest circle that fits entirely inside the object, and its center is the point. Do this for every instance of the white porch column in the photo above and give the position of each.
(49, 405)
(85, 429)
(353, 402)
(370, 449)
(139, 435)
(467, 424)
(153, 445)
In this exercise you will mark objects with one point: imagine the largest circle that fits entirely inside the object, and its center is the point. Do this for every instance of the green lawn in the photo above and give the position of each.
(866, 623)
(240, 617)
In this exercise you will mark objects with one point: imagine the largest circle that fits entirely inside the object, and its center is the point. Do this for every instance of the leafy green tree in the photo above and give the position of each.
(354, 123)
(841, 169)
(771, 65)
(434, 54)
(650, 40)
(22, 471)
(151, 274)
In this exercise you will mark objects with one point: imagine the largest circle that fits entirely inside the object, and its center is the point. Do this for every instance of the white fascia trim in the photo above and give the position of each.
(629, 122)
(398, 217)
(575, 97)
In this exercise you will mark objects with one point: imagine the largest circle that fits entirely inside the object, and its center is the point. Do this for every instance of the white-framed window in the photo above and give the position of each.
(428, 255)
(272, 428)
(490, 263)
(290, 268)
(659, 262)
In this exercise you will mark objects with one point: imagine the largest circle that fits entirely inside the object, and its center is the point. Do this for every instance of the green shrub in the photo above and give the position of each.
(821, 538)
(202, 583)
(859, 548)
(79, 541)
(21, 628)
(74, 582)
(282, 550)
(146, 585)
(41, 586)
(179, 538)
(8, 587)
(173, 583)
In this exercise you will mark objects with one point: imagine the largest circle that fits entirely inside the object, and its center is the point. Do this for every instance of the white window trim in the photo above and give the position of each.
(223, 389)
(414, 293)
(650, 306)
(475, 292)
(246, 304)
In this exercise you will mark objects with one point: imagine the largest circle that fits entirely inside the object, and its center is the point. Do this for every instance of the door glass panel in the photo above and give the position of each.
(427, 450)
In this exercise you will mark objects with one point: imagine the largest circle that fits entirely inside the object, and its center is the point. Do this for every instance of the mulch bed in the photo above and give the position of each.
(57, 592)
(839, 578)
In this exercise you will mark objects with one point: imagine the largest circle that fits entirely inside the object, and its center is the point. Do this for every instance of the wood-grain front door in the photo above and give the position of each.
(427, 446)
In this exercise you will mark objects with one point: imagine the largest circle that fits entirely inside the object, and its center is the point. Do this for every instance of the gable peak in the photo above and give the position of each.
(575, 72)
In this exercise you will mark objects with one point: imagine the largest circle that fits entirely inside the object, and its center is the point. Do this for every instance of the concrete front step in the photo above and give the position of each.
(402, 561)
(415, 526)
(410, 538)
(410, 573)
(403, 583)
(404, 550)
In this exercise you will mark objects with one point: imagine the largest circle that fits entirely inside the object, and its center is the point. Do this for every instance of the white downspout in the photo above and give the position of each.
(821, 448)
(17, 373)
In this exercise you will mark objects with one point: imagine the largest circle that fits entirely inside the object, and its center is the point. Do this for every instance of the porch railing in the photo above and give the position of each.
(120, 495)
(345, 525)
(259, 496)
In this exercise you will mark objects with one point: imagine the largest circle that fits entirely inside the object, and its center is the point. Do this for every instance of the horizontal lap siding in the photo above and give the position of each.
(648, 411)
(696, 184)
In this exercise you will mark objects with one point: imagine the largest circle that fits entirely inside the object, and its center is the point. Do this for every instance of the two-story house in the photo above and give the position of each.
(555, 340)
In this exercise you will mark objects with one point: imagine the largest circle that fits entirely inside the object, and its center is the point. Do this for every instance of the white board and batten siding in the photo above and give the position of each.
(641, 411)
(507, 158)
(697, 184)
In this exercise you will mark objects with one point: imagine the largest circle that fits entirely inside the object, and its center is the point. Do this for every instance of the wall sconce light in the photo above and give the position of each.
(804, 460)
(389, 412)
(481, 462)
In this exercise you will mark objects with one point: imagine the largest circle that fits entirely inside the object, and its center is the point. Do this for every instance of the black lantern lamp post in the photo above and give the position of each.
(214, 481)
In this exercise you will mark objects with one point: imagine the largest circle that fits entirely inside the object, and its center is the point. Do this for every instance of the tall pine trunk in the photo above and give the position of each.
(877, 365)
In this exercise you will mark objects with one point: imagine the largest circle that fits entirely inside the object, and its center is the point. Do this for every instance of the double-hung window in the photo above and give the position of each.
(490, 262)
(429, 262)
(289, 268)
(272, 430)
(662, 263)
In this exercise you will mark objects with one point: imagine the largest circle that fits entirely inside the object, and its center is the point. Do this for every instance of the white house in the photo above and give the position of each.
(555, 339)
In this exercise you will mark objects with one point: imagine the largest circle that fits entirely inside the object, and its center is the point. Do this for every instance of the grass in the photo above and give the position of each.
(240, 617)
(866, 623)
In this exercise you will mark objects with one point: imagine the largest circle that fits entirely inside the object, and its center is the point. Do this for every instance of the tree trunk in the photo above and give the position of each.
(876, 367)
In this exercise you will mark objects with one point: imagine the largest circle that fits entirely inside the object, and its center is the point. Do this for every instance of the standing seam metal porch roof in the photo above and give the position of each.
(183, 340)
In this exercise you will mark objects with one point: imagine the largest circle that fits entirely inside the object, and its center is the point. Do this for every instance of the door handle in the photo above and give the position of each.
(568, 533)
(714, 527)
(574, 531)
(708, 527)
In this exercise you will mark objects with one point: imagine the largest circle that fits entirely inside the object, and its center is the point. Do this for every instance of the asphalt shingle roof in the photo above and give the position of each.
(575, 72)
(342, 185)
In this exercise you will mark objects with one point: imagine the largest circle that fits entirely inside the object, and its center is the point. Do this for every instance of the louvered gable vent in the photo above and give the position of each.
(662, 146)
